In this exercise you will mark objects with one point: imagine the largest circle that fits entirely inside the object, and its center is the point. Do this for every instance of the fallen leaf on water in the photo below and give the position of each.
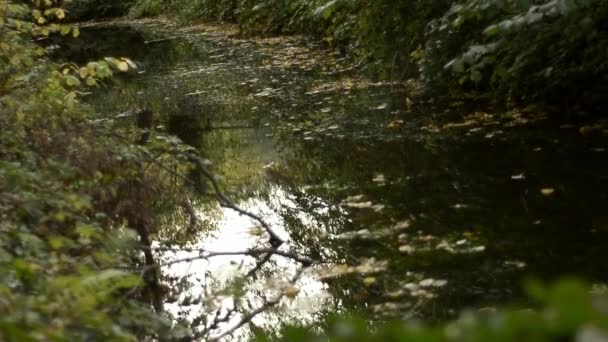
(478, 249)
(378, 207)
(395, 294)
(440, 283)
(402, 224)
(427, 282)
(291, 291)
(411, 286)
(406, 249)
(369, 281)
(547, 191)
(257, 231)
(518, 177)
(360, 205)
(354, 198)
(379, 178)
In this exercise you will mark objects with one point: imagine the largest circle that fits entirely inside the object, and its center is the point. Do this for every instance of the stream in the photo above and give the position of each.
(414, 209)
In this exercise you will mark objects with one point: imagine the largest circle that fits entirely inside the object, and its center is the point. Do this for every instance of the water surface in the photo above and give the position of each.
(355, 172)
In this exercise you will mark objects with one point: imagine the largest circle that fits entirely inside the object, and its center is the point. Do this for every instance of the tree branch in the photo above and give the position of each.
(252, 314)
(204, 254)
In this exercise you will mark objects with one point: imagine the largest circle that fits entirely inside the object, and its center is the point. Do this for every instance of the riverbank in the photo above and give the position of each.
(219, 186)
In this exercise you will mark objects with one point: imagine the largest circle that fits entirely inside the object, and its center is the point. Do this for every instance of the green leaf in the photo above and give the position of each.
(71, 81)
(118, 279)
(326, 10)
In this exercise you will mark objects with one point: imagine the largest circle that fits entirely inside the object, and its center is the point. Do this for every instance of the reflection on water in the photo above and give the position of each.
(342, 167)
(213, 278)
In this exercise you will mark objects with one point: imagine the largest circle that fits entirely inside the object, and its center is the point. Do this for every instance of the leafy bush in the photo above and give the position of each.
(90, 9)
(148, 8)
(78, 196)
(549, 50)
(67, 191)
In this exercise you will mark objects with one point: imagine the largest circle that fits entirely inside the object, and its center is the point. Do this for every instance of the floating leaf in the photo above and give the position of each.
(402, 225)
(369, 281)
(379, 178)
(520, 176)
(427, 282)
(291, 291)
(547, 191)
(406, 249)
(360, 205)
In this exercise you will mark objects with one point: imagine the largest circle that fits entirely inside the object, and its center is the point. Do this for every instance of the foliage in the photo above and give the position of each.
(68, 195)
(79, 197)
(554, 49)
(95, 9)
(570, 313)
(550, 51)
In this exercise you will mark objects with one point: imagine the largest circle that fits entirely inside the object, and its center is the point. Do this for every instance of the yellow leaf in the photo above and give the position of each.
(60, 13)
(369, 281)
(291, 291)
(41, 20)
(83, 72)
(122, 66)
(547, 191)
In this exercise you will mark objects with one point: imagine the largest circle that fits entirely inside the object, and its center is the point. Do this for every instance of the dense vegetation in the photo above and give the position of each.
(82, 196)
(76, 196)
(550, 52)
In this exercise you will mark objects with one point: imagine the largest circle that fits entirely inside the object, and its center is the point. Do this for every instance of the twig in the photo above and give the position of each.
(251, 252)
(275, 240)
(161, 40)
(216, 322)
(259, 265)
(252, 314)
(195, 222)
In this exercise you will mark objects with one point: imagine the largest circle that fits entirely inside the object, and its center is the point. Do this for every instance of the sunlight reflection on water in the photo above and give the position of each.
(239, 233)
